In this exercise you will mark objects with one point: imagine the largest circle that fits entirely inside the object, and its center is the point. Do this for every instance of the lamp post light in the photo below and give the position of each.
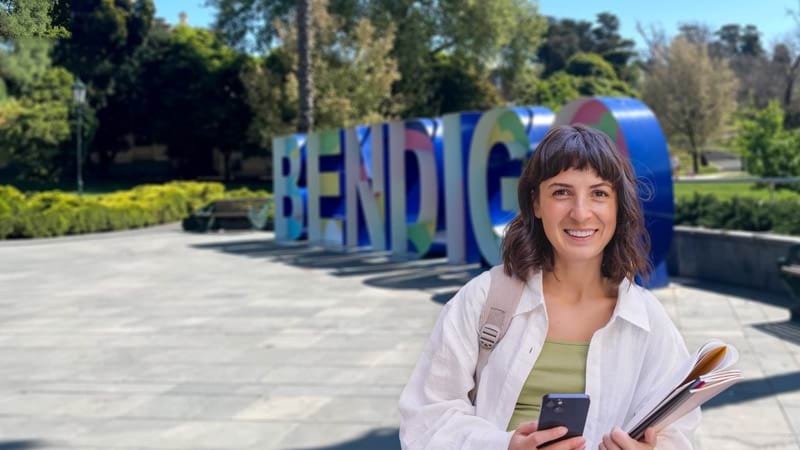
(79, 95)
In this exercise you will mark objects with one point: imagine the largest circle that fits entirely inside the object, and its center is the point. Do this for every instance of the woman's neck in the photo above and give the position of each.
(575, 283)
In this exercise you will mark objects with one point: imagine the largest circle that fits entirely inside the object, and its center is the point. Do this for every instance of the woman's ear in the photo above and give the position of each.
(536, 208)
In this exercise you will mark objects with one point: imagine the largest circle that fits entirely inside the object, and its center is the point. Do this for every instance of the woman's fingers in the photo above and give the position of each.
(526, 428)
(650, 436)
(540, 437)
(623, 440)
(574, 443)
(610, 444)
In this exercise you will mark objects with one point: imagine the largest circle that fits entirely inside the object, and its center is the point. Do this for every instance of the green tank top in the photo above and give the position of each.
(561, 367)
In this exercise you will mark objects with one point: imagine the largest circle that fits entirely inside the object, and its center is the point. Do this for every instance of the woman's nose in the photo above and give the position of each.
(580, 210)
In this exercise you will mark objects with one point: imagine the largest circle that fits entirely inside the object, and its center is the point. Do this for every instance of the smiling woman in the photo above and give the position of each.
(582, 325)
(578, 189)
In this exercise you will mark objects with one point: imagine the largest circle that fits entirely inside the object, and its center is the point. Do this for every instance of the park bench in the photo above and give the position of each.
(789, 268)
(231, 214)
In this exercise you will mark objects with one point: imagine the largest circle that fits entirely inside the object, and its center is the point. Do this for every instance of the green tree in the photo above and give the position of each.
(305, 75)
(589, 65)
(32, 18)
(36, 125)
(105, 37)
(21, 62)
(353, 74)
(498, 37)
(691, 93)
(553, 92)
(768, 149)
(193, 97)
(567, 37)
(519, 65)
(734, 40)
(561, 88)
(271, 91)
(493, 41)
(459, 86)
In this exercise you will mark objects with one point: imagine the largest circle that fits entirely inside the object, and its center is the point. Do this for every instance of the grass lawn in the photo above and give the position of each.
(686, 163)
(728, 190)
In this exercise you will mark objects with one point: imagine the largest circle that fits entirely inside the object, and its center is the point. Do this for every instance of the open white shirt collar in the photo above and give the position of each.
(629, 305)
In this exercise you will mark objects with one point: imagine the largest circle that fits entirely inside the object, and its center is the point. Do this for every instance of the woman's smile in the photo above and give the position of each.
(581, 234)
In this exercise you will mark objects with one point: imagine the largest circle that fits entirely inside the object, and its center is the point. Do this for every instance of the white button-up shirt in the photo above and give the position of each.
(630, 367)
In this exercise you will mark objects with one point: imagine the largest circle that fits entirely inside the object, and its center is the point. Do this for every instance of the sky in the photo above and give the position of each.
(768, 15)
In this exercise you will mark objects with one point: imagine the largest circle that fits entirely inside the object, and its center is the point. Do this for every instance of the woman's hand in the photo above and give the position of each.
(619, 440)
(526, 437)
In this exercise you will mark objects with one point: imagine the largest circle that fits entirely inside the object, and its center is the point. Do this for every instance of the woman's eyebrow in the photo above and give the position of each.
(565, 185)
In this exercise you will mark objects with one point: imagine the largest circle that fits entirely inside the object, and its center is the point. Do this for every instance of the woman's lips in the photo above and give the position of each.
(580, 235)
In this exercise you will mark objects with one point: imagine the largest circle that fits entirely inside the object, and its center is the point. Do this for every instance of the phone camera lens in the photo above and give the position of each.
(558, 409)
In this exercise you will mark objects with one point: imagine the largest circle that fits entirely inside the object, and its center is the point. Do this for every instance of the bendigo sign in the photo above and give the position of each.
(448, 185)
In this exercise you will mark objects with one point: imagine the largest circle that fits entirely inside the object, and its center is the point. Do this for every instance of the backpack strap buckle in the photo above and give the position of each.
(489, 335)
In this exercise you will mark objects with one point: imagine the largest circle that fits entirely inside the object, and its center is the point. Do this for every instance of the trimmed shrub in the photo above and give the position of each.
(56, 213)
(739, 213)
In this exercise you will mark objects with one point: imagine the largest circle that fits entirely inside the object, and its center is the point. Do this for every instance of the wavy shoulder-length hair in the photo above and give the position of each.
(526, 249)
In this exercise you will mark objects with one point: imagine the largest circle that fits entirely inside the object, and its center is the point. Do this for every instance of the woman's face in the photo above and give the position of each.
(579, 212)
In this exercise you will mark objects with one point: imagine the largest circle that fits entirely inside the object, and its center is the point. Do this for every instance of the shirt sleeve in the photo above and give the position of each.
(435, 410)
(666, 351)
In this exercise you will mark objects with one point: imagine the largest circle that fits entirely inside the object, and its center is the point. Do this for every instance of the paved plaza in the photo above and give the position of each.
(159, 339)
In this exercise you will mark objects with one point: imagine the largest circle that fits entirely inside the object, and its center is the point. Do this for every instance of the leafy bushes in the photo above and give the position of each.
(739, 213)
(55, 213)
(768, 149)
(590, 65)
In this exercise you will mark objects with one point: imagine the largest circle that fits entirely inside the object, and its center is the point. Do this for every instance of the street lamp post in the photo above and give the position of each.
(79, 95)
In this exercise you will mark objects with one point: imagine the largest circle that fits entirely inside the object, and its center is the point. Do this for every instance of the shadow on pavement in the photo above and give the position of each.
(761, 296)
(756, 388)
(381, 268)
(23, 444)
(788, 330)
(387, 271)
(382, 438)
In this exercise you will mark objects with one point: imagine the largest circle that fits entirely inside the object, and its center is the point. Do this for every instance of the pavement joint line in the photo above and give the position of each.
(172, 393)
(209, 420)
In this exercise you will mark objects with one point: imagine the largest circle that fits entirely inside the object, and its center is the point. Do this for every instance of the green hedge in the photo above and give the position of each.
(739, 213)
(55, 213)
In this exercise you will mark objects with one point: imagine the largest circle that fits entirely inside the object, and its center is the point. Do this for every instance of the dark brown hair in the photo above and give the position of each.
(525, 246)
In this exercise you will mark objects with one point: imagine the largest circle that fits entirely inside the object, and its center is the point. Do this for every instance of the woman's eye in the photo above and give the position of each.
(560, 193)
(601, 194)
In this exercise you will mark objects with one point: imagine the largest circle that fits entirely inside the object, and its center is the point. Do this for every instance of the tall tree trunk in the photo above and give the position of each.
(306, 81)
(694, 151)
(227, 163)
(790, 78)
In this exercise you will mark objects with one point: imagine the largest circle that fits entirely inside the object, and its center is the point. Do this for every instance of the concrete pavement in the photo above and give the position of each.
(158, 339)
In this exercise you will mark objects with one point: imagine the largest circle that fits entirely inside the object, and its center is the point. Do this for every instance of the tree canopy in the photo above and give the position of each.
(33, 18)
(691, 93)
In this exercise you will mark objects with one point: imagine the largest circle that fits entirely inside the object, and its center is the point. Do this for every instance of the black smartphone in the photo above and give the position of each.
(564, 410)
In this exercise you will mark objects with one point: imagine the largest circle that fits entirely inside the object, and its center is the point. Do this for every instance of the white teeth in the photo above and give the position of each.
(580, 233)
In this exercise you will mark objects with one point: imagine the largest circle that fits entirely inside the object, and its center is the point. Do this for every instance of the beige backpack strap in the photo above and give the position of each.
(501, 303)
